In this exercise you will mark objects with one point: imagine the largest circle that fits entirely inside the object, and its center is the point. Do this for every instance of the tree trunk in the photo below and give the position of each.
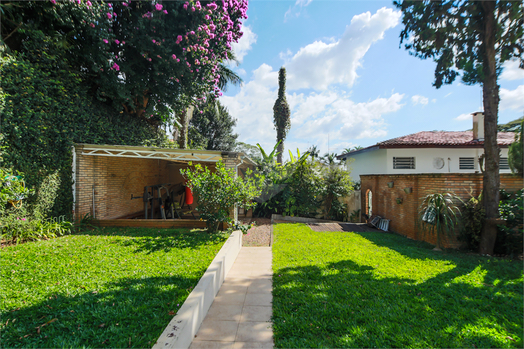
(490, 92)
(280, 150)
(184, 121)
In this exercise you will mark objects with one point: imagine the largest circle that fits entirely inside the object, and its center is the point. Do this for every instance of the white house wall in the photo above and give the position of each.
(371, 162)
(380, 161)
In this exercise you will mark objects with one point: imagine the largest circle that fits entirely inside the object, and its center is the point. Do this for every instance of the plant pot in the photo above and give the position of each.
(408, 190)
(390, 184)
(399, 201)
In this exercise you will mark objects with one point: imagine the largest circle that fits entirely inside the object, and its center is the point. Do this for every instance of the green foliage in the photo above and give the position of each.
(219, 191)
(12, 189)
(430, 29)
(473, 218)
(376, 290)
(510, 235)
(512, 126)
(252, 151)
(25, 216)
(336, 185)
(438, 215)
(354, 217)
(301, 186)
(108, 288)
(212, 129)
(46, 110)
(515, 152)
(281, 113)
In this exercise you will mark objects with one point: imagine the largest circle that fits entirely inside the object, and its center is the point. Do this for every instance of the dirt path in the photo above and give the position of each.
(259, 234)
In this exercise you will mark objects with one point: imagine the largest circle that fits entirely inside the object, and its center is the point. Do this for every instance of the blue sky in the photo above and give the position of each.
(347, 79)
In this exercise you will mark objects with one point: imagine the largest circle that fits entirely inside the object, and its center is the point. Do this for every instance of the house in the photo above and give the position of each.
(397, 174)
(428, 152)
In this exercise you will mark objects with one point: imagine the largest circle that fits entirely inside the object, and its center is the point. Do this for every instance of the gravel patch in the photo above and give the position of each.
(259, 234)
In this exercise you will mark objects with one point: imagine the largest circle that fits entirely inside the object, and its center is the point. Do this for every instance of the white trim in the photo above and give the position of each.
(161, 154)
(74, 177)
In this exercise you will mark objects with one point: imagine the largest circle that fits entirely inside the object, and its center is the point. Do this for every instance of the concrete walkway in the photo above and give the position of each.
(240, 316)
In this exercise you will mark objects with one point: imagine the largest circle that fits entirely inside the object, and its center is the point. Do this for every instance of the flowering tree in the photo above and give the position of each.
(147, 58)
(166, 55)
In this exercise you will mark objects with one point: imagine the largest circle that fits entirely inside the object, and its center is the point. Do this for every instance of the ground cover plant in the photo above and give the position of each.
(113, 288)
(343, 289)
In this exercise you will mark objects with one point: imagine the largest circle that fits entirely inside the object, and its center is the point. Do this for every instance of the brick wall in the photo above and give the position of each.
(404, 216)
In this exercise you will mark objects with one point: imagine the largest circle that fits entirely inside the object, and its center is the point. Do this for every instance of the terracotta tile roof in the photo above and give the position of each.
(436, 139)
(443, 138)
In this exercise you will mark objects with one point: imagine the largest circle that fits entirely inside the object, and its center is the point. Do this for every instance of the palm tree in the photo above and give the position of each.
(438, 214)
(313, 151)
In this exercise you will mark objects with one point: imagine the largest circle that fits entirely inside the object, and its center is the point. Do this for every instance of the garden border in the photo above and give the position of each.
(181, 330)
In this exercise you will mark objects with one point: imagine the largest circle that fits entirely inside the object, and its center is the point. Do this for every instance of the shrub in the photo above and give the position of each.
(219, 191)
(438, 215)
(473, 217)
(336, 185)
(24, 215)
(510, 236)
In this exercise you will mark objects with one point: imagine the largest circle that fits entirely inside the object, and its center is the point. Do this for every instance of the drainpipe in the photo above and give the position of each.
(94, 216)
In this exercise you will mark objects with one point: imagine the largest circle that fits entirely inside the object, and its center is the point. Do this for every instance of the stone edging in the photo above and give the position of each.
(184, 326)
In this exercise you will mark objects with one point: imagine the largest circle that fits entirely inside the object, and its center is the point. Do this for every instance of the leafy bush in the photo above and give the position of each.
(438, 215)
(510, 236)
(473, 217)
(219, 191)
(24, 215)
(336, 185)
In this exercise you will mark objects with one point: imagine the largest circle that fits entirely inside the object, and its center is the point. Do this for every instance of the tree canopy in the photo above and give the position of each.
(213, 128)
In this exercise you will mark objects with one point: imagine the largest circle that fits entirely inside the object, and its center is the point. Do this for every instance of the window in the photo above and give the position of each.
(504, 164)
(467, 163)
(403, 163)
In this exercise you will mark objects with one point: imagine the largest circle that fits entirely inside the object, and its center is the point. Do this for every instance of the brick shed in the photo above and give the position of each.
(382, 193)
(106, 177)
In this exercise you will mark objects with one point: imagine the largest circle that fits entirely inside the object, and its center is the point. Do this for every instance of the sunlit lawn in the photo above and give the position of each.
(113, 288)
(335, 290)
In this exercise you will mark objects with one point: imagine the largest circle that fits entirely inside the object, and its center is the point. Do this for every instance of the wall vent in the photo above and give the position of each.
(503, 164)
(467, 163)
(403, 163)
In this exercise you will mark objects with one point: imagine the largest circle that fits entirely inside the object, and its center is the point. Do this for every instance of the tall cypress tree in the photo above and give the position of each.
(281, 113)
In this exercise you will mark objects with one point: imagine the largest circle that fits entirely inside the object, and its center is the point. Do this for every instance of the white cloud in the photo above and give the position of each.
(416, 99)
(513, 99)
(253, 107)
(346, 120)
(463, 117)
(243, 45)
(296, 10)
(321, 64)
(511, 71)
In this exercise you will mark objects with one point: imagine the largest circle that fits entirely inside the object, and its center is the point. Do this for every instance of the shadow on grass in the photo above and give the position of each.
(497, 268)
(149, 240)
(343, 304)
(131, 314)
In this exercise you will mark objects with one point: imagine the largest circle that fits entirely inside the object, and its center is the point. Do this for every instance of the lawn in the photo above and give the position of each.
(115, 288)
(340, 289)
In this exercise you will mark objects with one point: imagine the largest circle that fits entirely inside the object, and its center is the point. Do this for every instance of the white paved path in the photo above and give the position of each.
(240, 316)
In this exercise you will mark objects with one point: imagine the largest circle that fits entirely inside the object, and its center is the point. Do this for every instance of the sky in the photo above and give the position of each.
(348, 81)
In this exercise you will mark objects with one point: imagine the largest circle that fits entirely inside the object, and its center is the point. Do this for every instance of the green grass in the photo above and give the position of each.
(336, 290)
(115, 288)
